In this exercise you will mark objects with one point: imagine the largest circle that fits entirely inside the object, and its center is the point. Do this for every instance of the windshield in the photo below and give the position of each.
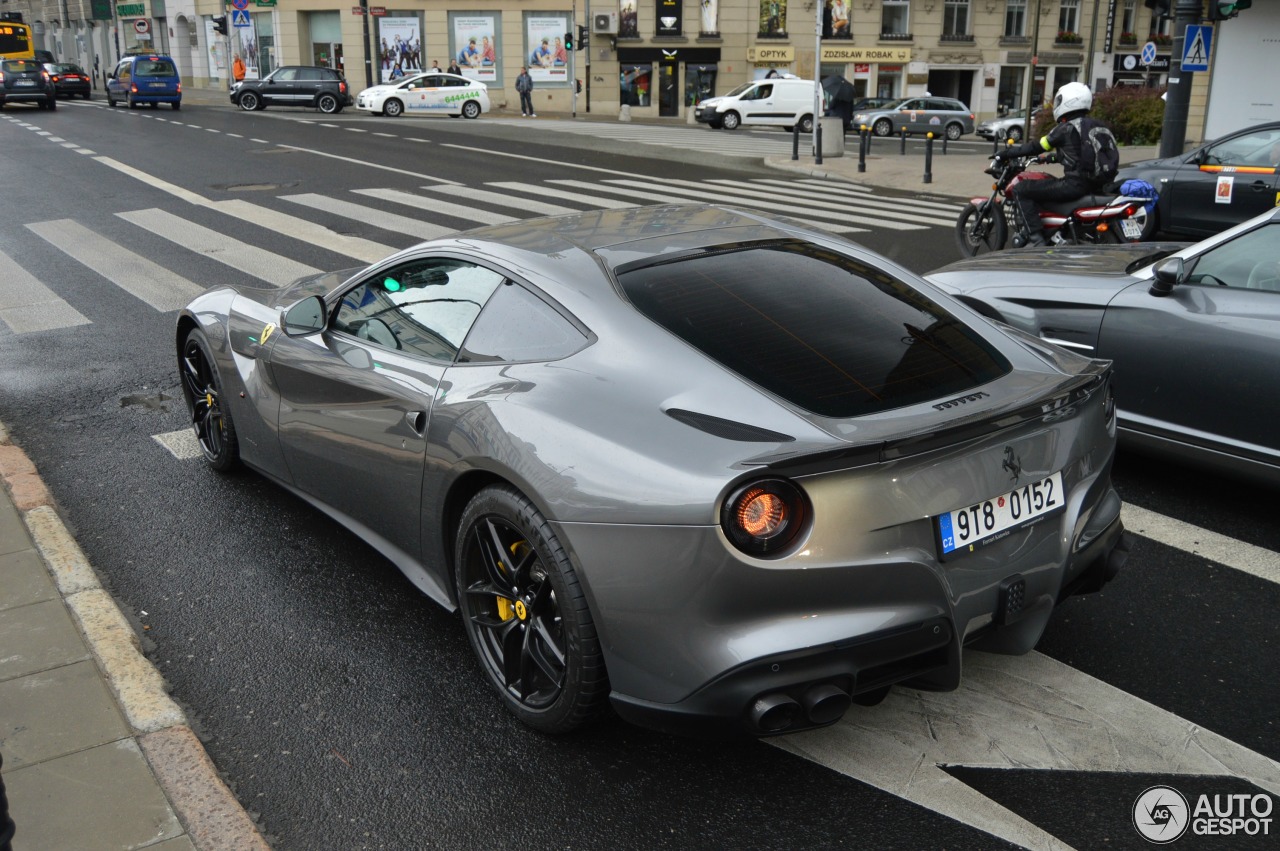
(739, 90)
(155, 68)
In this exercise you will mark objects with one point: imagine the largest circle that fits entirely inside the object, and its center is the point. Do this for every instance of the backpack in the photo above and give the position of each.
(1099, 153)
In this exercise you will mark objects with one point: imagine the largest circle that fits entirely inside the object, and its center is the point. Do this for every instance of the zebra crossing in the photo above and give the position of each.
(773, 142)
(225, 231)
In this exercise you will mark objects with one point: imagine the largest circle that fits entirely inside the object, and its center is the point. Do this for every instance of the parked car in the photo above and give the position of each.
(1215, 186)
(866, 104)
(148, 78)
(26, 81)
(647, 474)
(1194, 332)
(427, 94)
(1012, 125)
(69, 79)
(312, 86)
(919, 115)
(775, 101)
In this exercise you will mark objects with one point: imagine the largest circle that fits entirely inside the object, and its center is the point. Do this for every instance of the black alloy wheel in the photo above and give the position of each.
(248, 101)
(202, 388)
(327, 103)
(526, 615)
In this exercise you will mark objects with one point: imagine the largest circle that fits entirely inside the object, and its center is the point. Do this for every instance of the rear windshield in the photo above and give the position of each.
(154, 68)
(19, 66)
(826, 332)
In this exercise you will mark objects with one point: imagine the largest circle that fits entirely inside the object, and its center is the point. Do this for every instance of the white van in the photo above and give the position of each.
(779, 101)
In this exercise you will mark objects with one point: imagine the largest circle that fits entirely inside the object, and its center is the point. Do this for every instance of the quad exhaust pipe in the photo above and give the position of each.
(777, 711)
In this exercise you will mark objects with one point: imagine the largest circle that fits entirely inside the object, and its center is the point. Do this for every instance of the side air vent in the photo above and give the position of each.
(728, 429)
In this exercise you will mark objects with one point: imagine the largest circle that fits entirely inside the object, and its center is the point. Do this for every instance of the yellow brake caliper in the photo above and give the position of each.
(508, 609)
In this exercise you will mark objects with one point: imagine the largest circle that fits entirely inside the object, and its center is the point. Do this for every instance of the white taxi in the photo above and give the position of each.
(426, 94)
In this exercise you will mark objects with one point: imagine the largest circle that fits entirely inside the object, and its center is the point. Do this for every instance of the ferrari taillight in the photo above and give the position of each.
(764, 517)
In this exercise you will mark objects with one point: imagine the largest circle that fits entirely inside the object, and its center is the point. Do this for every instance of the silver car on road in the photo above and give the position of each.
(918, 116)
(728, 473)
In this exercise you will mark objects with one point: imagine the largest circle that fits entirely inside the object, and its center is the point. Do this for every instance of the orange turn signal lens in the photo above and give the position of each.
(761, 514)
(763, 518)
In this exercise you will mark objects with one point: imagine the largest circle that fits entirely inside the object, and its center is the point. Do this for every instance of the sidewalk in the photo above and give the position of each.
(96, 754)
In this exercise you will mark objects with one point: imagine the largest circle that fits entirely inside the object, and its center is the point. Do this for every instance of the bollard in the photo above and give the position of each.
(870, 136)
(944, 144)
(795, 142)
(904, 142)
(995, 144)
(928, 157)
(863, 143)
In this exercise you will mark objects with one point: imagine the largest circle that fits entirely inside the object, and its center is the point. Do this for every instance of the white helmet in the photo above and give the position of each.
(1072, 97)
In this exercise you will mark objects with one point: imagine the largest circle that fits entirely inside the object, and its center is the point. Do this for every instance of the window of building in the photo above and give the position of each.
(1128, 16)
(1069, 17)
(1015, 18)
(889, 81)
(894, 20)
(1012, 78)
(955, 18)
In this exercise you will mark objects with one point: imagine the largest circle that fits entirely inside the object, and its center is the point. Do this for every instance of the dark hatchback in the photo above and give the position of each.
(69, 79)
(25, 80)
(1220, 184)
(311, 86)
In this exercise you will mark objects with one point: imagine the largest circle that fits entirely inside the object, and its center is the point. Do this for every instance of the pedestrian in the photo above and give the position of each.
(435, 66)
(524, 85)
(237, 69)
(454, 68)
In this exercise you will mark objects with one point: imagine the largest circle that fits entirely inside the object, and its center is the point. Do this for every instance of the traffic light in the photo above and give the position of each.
(1220, 10)
(220, 24)
(584, 38)
(568, 41)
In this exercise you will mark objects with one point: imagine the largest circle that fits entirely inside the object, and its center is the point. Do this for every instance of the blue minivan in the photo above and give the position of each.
(146, 78)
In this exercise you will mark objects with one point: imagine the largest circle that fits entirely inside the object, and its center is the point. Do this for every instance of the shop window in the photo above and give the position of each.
(636, 82)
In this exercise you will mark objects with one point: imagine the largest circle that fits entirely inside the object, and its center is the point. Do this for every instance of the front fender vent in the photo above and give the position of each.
(727, 429)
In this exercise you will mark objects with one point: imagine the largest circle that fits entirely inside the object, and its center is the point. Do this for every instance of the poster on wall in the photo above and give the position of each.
(475, 43)
(628, 21)
(548, 60)
(244, 43)
(670, 15)
(773, 17)
(217, 46)
(399, 47)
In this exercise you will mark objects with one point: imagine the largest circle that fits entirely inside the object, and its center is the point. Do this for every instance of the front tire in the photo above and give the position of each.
(202, 387)
(392, 108)
(883, 127)
(526, 615)
(731, 121)
(328, 104)
(980, 229)
(471, 109)
(248, 101)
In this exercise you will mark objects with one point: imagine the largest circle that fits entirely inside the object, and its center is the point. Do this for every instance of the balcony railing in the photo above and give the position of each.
(896, 37)
(966, 38)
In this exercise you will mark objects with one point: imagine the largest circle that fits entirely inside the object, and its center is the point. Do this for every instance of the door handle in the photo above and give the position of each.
(417, 420)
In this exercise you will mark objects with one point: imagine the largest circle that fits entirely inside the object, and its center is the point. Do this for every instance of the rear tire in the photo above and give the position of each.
(954, 132)
(177, 105)
(392, 108)
(471, 109)
(53, 103)
(327, 103)
(806, 124)
(526, 615)
(981, 229)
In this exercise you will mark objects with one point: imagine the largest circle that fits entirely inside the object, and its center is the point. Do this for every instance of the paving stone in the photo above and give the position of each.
(38, 637)
(25, 580)
(13, 532)
(54, 713)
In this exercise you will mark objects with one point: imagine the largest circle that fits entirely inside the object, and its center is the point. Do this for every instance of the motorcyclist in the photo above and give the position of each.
(1072, 101)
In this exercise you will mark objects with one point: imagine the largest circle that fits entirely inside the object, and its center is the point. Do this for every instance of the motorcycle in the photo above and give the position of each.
(989, 224)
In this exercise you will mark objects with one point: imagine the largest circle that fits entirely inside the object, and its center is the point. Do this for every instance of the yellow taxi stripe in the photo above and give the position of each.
(1238, 169)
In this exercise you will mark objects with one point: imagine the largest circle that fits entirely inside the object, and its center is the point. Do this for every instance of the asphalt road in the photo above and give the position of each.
(347, 711)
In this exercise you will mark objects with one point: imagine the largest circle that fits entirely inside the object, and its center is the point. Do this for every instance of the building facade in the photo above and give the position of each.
(657, 57)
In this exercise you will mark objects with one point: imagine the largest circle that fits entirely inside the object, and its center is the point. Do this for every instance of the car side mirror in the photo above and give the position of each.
(1169, 272)
(305, 317)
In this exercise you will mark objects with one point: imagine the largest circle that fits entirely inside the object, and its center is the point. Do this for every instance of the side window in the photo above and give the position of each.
(1260, 148)
(286, 75)
(1250, 261)
(516, 325)
(122, 71)
(423, 307)
(310, 74)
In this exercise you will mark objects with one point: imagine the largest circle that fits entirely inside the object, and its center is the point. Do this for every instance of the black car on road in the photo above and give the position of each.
(1220, 184)
(25, 80)
(69, 79)
(311, 86)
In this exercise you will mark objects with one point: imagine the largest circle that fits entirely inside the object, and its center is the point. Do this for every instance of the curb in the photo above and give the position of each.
(212, 815)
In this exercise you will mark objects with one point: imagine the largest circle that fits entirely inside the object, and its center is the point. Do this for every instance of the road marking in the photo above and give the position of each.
(1247, 558)
(147, 281)
(1027, 712)
(354, 161)
(387, 135)
(579, 166)
(26, 305)
(551, 192)
(305, 230)
(435, 205)
(153, 181)
(866, 195)
(223, 248)
(501, 199)
(371, 215)
(182, 444)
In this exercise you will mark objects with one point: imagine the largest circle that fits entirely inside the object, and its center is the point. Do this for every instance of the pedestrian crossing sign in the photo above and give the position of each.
(1196, 47)
(239, 18)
